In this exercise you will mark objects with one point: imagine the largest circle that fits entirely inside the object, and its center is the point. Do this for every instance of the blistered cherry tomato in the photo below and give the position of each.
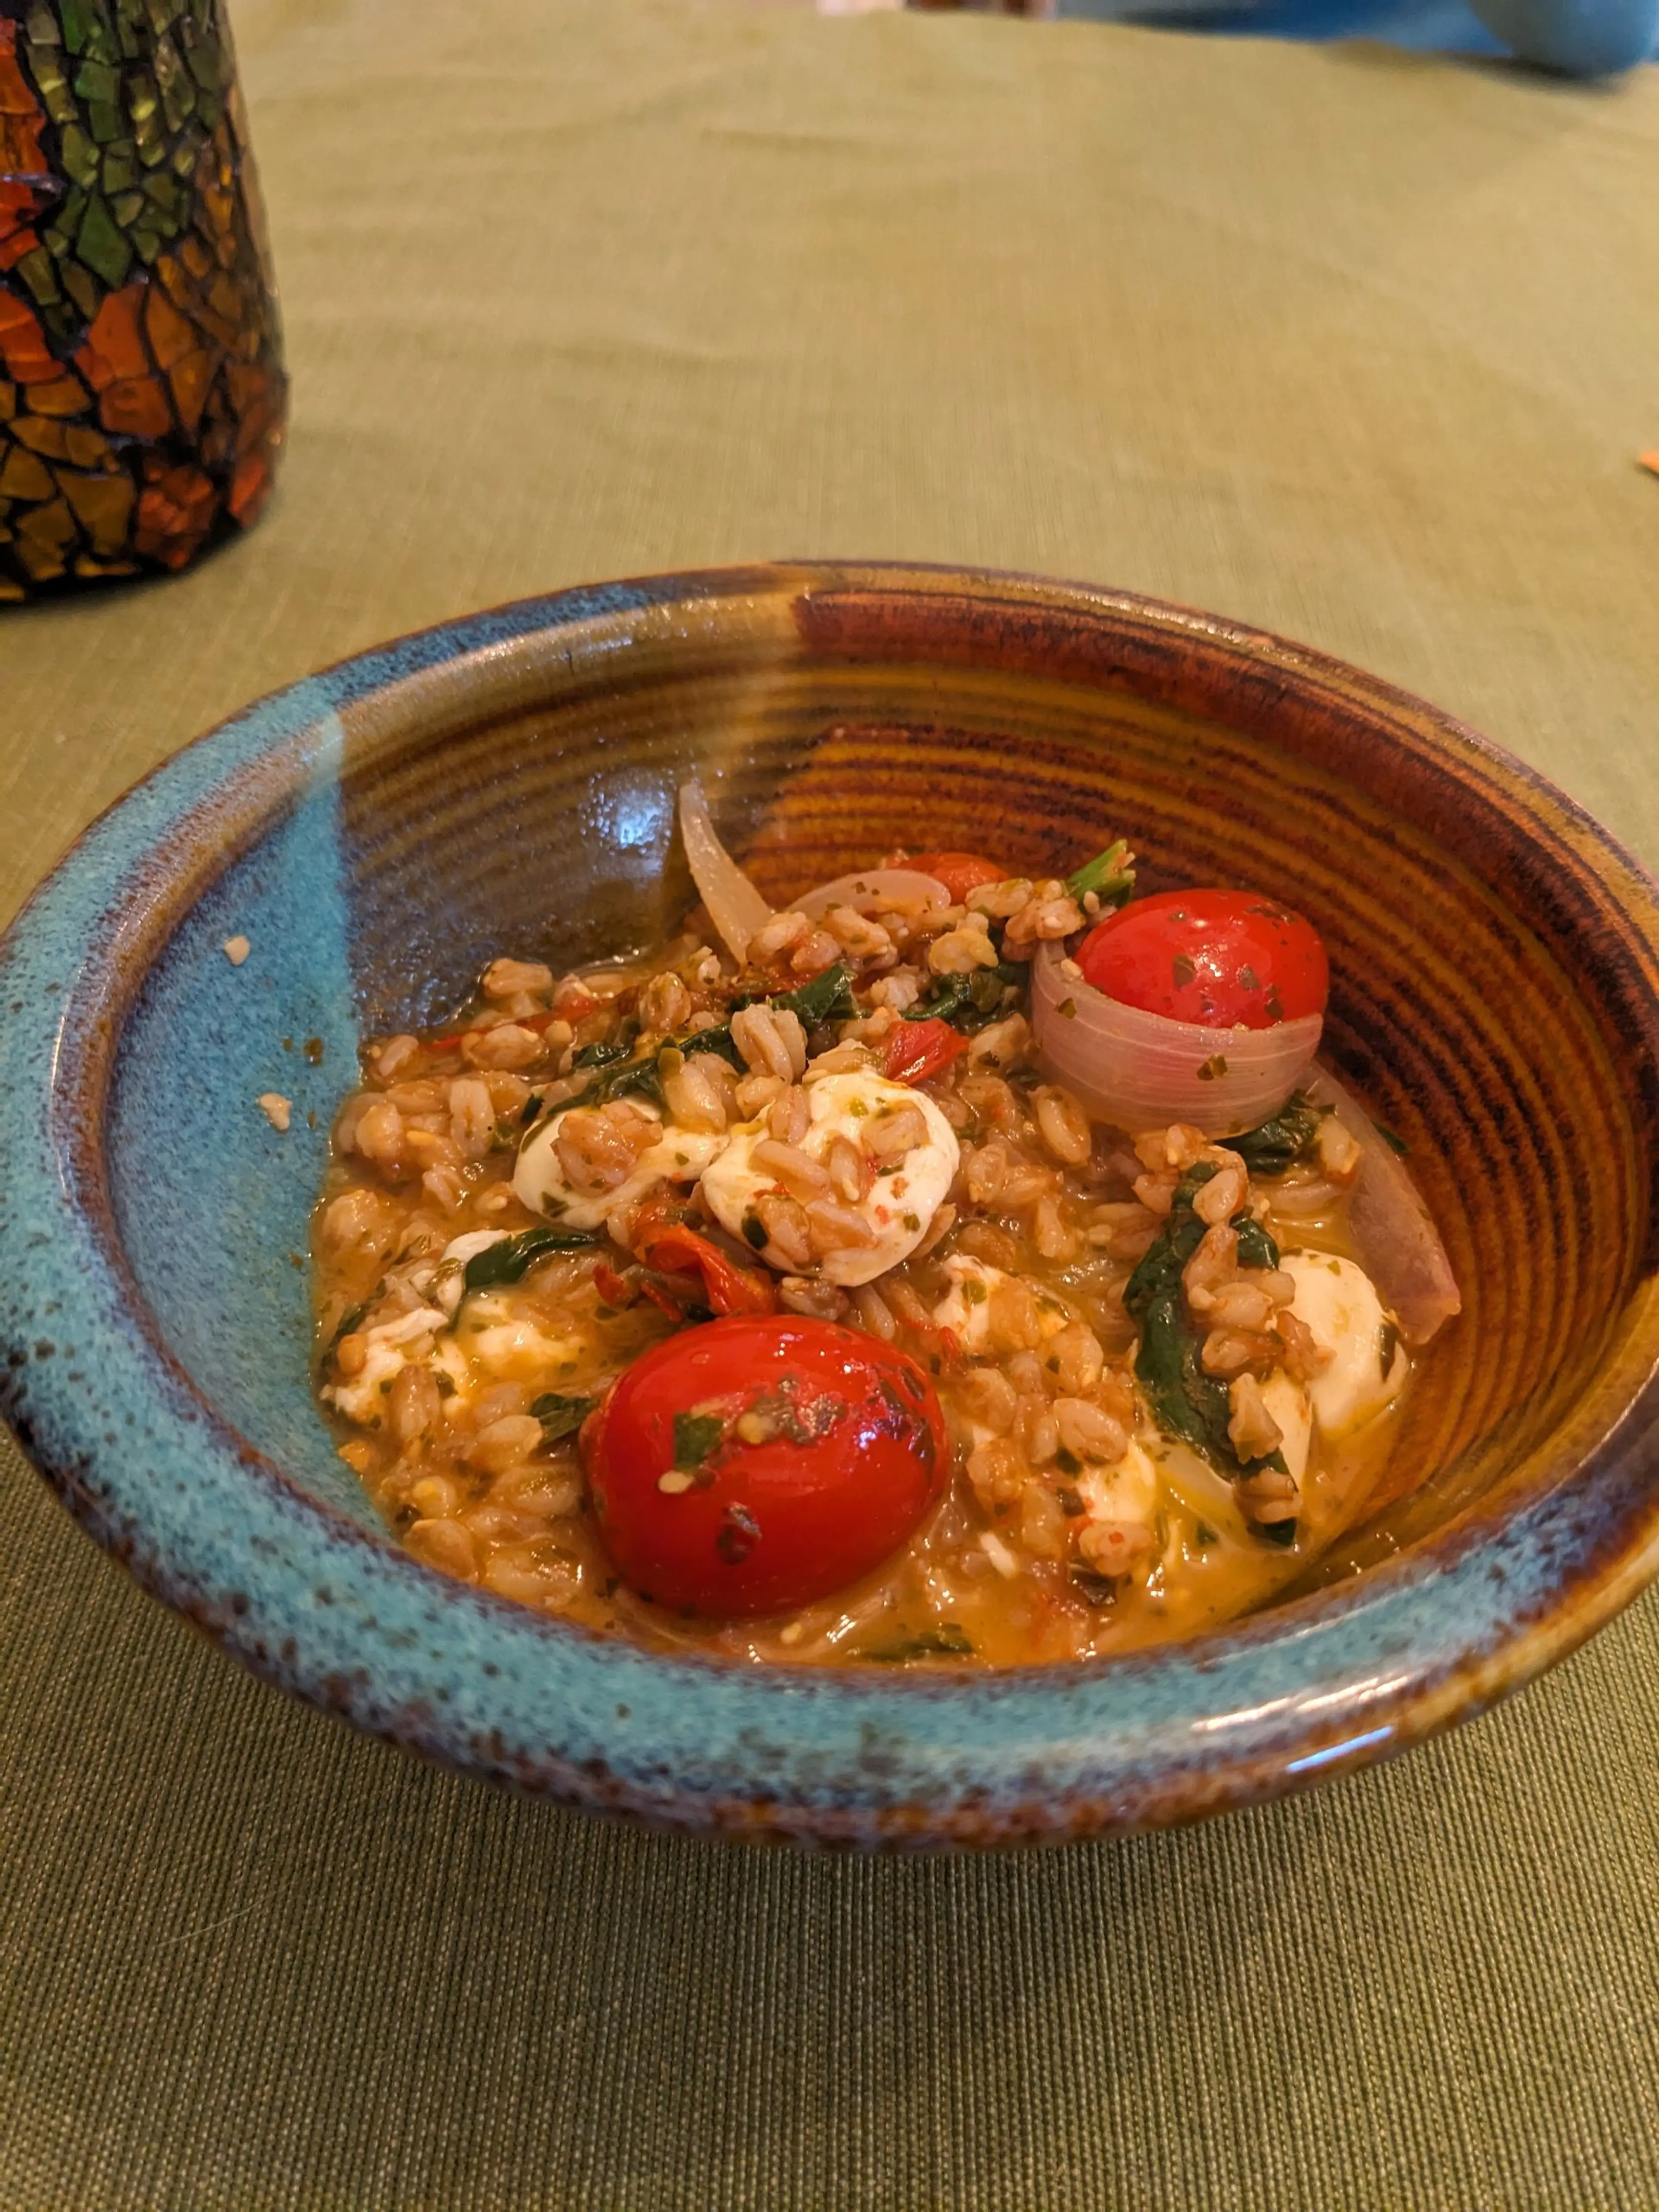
(1225, 959)
(959, 873)
(754, 1464)
(915, 1050)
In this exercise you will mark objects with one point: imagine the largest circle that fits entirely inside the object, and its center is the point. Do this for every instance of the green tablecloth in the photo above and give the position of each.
(1359, 346)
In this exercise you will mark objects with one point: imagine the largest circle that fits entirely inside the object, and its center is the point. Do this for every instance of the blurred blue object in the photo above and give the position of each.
(1578, 37)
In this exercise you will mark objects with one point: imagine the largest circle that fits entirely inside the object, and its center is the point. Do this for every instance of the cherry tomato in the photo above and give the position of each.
(959, 873)
(852, 1453)
(727, 1287)
(1225, 959)
(916, 1050)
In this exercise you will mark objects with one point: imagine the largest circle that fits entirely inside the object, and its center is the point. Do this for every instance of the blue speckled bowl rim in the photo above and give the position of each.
(854, 1758)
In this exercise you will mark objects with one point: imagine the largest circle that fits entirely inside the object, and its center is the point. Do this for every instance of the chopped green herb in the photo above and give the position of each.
(947, 1639)
(1248, 978)
(695, 1436)
(1067, 1461)
(1213, 1068)
(1203, 1537)
(511, 1260)
(754, 1231)
(1110, 876)
(1070, 1499)
(1273, 1147)
(1282, 1532)
(1182, 971)
(1392, 1139)
(561, 1416)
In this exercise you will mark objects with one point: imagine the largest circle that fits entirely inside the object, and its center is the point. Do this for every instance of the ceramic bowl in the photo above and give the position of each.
(376, 832)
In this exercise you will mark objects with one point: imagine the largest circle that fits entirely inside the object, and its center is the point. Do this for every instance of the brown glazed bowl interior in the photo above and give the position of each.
(507, 783)
(1470, 963)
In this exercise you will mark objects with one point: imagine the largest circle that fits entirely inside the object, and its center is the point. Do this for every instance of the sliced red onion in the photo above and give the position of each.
(1144, 1071)
(735, 907)
(1394, 1234)
(870, 889)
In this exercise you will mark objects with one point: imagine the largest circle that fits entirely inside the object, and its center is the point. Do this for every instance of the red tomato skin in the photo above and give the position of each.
(779, 1523)
(959, 873)
(1223, 959)
(916, 1050)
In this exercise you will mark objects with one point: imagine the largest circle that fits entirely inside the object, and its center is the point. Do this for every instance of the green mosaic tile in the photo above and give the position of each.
(99, 244)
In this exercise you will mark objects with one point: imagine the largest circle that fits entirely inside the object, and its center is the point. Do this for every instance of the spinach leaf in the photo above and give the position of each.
(1110, 876)
(601, 1056)
(1255, 1247)
(719, 1039)
(969, 1002)
(1273, 1147)
(1186, 1402)
(826, 998)
(511, 1260)
(561, 1416)
(348, 1320)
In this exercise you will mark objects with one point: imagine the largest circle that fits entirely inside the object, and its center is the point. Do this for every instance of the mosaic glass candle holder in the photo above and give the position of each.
(142, 391)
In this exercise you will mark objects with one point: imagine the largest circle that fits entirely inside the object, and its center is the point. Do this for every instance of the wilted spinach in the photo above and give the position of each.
(1186, 1402)
(511, 1260)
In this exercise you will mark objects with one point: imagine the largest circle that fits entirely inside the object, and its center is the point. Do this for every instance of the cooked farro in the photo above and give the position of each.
(1149, 1343)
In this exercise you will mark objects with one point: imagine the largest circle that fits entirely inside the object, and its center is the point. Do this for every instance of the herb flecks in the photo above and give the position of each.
(695, 1436)
(947, 1640)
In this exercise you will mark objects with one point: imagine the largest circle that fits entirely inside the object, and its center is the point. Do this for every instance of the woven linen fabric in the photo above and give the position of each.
(1356, 345)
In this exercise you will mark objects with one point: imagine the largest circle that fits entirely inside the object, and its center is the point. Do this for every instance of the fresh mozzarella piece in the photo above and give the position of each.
(508, 1346)
(965, 1308)
(1126, 1491)
(678, 1156)
(388, 1349)
(1287, 1401)
(1339, 1303)
(898, 1207)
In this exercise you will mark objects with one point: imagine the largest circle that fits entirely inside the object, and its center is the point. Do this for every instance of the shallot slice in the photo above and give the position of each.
(873, 891)
(735, 907)
(1143, 1071)
(1394, 1233)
